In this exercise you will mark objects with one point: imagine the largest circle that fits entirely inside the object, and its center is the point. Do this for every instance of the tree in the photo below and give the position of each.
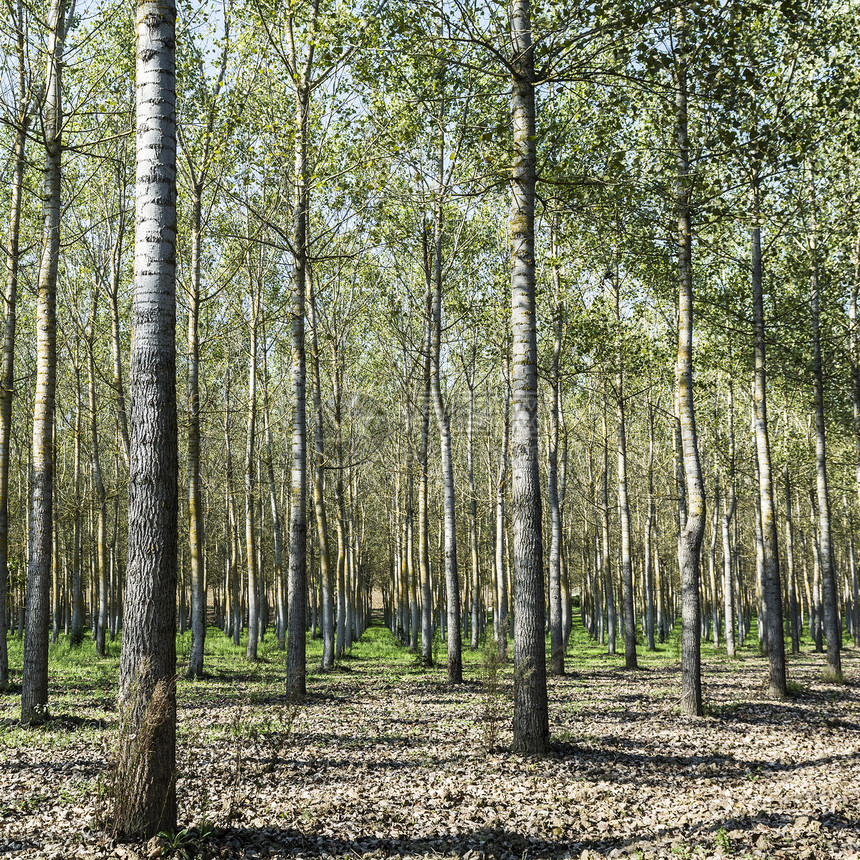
(531, 713)
(22, 117)
(693, 530)
(34, 686)
(148, 662)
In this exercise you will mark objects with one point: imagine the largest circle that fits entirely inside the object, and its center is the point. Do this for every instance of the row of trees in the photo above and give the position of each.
(351, 289)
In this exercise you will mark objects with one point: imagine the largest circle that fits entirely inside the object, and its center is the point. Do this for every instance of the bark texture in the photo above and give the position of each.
(34, 685)
(693, 526)
(771, 584)
(531, 714)
(148, 664)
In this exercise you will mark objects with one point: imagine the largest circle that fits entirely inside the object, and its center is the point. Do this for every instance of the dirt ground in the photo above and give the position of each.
(385, 762)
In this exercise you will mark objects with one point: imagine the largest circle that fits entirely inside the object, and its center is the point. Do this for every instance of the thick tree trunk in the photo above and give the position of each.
(531, 714)
(692, 532)
(148, 664)
(34, 685)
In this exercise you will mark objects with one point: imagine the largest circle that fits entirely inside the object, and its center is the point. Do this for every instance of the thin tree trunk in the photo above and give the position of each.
(340, 645)
(649, 531)
(250, 444)
(771, 585)
(556, 633)
(501, 611)
(443, 419)
(327, 591)
(605, 564)
(473, 513)
(690, 542)
(828, 582)
(423, 490)
(297, 581)
(10, 296)
(196, 540)
(100, 547)
(623, 499)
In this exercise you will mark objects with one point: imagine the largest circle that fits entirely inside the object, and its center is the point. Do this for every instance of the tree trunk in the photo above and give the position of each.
(531, 714)
(473, 514)
(340, 645)
(34, 685)
(605, 564)
(7, 373)
(297, 582)
(771, 585)
(443, 419)
(100, 547)
(690, 542)
(501, 611)
(148, 664)
(828, 581)
(556, 632)
(623, 499)
(423, 488)
(196, 539)
(250, 443)
(326, 584)
(649, 531)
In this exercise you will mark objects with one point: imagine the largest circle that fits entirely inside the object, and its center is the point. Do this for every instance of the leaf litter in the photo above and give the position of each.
(392, 762)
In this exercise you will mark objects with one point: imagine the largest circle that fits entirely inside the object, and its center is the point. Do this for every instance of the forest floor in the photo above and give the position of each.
(386, 760)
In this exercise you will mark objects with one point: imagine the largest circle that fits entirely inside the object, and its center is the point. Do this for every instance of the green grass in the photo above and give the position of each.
(84, 685)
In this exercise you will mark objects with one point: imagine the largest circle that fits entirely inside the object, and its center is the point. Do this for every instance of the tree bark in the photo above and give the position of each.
(250, 478)
(100, 501)
(623, 499)
(327, 591)
(10, 298)
(556, 632)
(501, 610)
(423, 487)
(148, 663)
(692, 532)
(831, 610)
(771, 585)
(297, 581)
(531, 714)
(649, 532)
(443, 419)
(196, 541)
(34, 685)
